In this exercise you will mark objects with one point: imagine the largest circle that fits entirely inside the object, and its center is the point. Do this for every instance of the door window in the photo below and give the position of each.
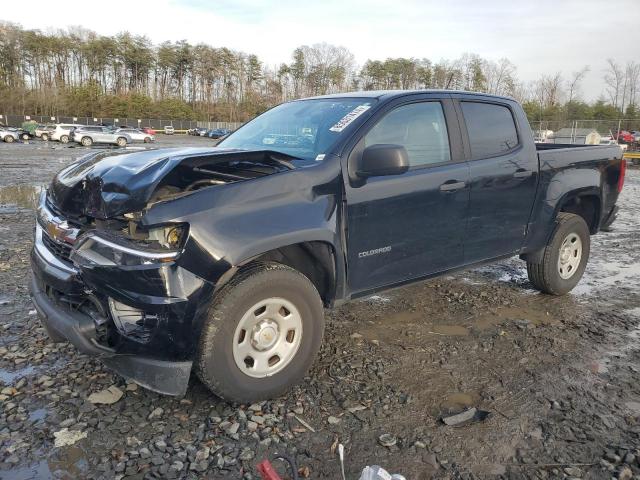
(419, 127)
(491, 128)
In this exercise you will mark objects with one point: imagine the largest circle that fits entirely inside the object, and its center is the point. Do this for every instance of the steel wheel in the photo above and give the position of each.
(267, 337)
(570, 256)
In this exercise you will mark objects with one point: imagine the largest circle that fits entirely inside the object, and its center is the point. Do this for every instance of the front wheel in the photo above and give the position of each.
(564, 258)
(121, 141)
(44, 137)
(147, 140)
(25, 136)
(261, 334)
(64, 139)
(9, 139)
(86, 141)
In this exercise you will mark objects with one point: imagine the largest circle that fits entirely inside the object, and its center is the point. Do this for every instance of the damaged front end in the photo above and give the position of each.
(115, 284)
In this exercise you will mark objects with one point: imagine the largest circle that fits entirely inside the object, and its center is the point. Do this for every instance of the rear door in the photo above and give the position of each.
(411, 225)
(503, 177)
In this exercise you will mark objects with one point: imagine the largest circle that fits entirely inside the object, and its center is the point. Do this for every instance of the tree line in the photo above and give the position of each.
(79, 72)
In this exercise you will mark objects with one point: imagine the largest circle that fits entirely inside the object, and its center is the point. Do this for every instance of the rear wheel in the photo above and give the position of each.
(564, 258)
(86, 141)
(64, 139)
(261, 333)
(25, 136)
(147, 140)
(121, 141)
(44, 136)
(9, 139)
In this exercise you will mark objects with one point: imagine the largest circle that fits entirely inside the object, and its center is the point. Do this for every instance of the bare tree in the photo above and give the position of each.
(632, 81)
(573, 84)
(499, 76)
(614, 79)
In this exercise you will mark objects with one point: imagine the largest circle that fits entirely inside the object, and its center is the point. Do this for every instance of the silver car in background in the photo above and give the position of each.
(88, 135)
(42, 129)
(137, 135)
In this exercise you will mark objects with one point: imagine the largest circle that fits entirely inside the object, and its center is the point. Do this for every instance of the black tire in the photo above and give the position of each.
(64, 139)
(9, 139)
(147, 140)
(121, 141)
(86, 141)
(215, 364)
(44, 136)
(25, 136)
(545, 275)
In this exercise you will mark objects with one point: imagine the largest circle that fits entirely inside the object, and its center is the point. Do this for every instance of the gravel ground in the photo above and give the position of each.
(554, 380)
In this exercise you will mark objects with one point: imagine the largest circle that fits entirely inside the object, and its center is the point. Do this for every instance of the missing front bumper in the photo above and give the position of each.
(167, 377)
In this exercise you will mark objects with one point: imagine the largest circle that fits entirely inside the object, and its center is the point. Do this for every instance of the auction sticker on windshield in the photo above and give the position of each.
(349, 118)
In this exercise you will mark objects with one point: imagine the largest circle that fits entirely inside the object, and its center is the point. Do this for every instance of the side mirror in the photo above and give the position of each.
(382, 159)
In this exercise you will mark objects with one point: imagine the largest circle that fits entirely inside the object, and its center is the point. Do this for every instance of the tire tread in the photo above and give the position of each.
(223, 299)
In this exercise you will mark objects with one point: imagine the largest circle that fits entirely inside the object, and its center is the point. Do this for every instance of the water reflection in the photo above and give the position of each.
(16, 197)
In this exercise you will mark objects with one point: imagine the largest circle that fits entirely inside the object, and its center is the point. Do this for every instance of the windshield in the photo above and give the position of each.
(305, 129)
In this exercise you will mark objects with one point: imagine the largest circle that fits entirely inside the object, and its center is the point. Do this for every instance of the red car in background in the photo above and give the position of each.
(624, 136)
(148, 130)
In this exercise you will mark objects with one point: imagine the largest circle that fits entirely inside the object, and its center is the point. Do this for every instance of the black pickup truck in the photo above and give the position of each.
(222, 259)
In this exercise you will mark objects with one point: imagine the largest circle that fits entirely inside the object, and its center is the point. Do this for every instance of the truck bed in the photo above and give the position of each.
(561, 155)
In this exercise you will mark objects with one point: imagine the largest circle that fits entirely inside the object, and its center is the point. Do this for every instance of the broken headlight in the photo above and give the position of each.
(156, 245)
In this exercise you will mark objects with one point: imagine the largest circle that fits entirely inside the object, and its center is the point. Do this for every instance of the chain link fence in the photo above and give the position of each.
(603, 127)
(155, 123)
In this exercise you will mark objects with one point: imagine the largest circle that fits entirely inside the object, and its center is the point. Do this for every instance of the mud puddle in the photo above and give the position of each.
(67, 464)
(16, 197)
(8, 377)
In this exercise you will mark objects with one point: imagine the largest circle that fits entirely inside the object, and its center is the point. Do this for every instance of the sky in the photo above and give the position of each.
(538, 36)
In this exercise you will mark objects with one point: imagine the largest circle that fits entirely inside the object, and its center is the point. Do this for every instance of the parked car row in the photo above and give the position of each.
(86, 135)
(11, 134)
(90, 134)
(215, 133)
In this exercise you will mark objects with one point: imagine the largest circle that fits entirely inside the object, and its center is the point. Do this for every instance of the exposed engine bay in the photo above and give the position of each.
(111, 193)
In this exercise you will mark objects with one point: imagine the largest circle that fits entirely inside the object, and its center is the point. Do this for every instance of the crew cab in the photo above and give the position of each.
(221, 260)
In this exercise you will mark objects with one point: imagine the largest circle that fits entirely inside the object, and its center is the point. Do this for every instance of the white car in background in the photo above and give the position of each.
(169, 130)
(62, 132)
(8, 136)
(137, 135)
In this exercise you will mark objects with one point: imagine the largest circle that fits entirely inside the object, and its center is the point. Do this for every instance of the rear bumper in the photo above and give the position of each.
(169, 377)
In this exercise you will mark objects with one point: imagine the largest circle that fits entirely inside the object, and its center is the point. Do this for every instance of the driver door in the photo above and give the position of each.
(411, 225)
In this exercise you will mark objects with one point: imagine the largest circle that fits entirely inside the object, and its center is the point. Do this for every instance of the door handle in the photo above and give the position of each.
(452, 187)
(522, 173)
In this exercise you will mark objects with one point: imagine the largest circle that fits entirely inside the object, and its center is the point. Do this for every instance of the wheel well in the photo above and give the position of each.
(315, 260)
(587, 206)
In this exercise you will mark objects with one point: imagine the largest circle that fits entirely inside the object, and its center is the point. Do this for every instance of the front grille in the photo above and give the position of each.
(60, 250)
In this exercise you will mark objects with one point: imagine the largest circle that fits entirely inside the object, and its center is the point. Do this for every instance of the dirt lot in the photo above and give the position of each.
(557, 376)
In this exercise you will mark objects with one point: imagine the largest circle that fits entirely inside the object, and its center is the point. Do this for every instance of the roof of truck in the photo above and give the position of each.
(389, 94)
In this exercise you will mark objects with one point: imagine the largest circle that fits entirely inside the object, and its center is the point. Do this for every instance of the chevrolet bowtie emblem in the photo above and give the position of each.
(57, 232)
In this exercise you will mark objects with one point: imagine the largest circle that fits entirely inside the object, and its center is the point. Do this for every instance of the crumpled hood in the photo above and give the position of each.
(107, 184)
